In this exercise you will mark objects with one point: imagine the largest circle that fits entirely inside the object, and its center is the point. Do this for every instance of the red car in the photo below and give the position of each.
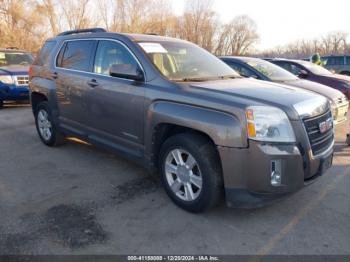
(315, 73)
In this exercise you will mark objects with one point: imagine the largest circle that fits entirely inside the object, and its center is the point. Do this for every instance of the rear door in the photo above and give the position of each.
(72, 74)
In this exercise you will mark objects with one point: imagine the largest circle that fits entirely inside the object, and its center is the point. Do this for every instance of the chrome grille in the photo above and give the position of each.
(319, 141)
(22, 80)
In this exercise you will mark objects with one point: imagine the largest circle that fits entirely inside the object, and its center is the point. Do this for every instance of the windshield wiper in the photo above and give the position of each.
(202, 79)
(229, 77)
(192, 79)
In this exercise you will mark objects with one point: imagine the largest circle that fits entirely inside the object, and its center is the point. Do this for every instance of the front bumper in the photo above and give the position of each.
(247, 172)
(14, 92)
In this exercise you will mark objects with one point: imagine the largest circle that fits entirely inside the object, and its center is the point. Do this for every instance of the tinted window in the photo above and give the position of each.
(348, 60)
(110, 53)
(77, 55)
(9, 58)
(335, 60)
(44, 54)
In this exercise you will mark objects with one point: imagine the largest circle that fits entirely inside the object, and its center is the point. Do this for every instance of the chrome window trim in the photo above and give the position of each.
(92, 73)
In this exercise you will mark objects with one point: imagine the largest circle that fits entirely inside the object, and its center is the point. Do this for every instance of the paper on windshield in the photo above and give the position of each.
(2, 56)
(153, 48)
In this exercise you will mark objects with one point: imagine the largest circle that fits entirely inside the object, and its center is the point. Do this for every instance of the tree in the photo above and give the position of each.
(237, 37)
(199, 24)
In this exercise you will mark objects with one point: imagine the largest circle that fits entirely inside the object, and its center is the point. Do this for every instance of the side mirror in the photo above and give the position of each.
(303, 74)
(127, 71)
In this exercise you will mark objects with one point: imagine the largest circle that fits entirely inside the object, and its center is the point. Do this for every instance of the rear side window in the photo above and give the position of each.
(348, 60)
(76, 55)
(44, 54)
(335, 60)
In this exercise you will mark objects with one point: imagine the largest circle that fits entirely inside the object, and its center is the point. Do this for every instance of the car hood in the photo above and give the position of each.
(262, 92)
(336, 77)
(14, 70)
(324, 90)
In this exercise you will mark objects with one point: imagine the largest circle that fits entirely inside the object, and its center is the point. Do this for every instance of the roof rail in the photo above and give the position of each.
(81, 31)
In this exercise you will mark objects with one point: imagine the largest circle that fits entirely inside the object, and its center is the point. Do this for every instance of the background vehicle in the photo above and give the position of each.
(176, 108)
(315, 73)
(338, 64)
(264, 70)
(14, 65)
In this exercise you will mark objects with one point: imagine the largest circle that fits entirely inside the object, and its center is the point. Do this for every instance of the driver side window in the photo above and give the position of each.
(111, 53)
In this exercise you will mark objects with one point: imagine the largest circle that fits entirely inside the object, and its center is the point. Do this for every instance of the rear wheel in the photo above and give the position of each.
(345, 73)
(1, 104)
(191, 172)
(48, 131)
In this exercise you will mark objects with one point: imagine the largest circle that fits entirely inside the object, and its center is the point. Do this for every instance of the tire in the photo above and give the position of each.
(199, 186)
(348, 139)
(345, 73)
(1, 104)
(48, 131)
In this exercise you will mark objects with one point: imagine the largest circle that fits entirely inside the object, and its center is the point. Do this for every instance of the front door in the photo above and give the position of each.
(116, 105)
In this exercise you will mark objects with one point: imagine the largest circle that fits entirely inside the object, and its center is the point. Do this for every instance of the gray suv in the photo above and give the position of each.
(178, 110)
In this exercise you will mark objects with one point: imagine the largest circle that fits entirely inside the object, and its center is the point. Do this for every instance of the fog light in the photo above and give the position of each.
(276, 173)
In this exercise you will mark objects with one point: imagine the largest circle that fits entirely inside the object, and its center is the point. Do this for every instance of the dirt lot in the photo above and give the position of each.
(78, 199)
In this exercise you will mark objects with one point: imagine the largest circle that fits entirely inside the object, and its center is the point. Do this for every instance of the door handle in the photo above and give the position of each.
(54, 75)
(93, 83)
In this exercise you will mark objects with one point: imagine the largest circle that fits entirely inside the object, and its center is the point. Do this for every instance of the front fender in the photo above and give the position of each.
(223, 128)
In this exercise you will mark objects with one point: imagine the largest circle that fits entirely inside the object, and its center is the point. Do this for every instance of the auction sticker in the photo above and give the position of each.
(153, 48)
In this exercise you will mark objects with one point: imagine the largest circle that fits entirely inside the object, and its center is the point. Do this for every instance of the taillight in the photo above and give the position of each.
(30, 72)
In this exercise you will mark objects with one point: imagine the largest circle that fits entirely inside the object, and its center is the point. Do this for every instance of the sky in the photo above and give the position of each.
(283, 21)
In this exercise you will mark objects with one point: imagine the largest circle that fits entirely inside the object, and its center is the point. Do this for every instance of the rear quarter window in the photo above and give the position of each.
(44, 54)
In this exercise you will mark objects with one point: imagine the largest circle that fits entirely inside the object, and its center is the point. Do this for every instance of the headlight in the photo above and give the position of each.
(333, 108)
(271, 124)
(6, 79)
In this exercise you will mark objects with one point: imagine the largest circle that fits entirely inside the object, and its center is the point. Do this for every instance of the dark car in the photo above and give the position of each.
(264, 70)
(315, 73)
(338, 64)
(14, 65)
(177, 109)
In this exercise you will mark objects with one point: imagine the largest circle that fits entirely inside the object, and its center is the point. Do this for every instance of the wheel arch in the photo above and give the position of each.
(36, 98)
(166, 119)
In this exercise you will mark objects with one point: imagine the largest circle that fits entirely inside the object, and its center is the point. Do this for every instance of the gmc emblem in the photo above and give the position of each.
(326, 125)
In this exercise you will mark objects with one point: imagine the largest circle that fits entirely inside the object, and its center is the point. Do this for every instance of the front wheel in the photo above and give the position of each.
(48, 131)
(1, 104)
(191, 172)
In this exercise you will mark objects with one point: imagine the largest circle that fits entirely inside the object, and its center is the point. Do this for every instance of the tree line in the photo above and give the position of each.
(26, 24)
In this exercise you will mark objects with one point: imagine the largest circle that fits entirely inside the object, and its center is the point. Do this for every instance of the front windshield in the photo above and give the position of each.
(273, 72)
(15, 58)
(316, 69)
(179, 61)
